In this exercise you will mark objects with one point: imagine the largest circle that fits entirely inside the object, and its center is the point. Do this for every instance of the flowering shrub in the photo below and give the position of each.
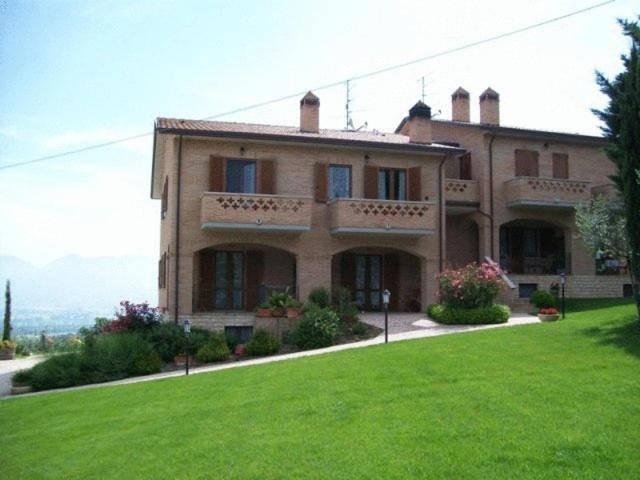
(548, 311)
(132, 317)
(473, 286)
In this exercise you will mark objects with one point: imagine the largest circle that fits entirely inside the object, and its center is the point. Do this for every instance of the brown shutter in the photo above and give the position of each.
(206, 279)
(526, 163)
(465, 167)
(391, 278)
(322, 180)
(255, 273)
(370, 182)
(267, 177)
(414, 181)
(560, 165)
(348, 272)
(216, 174)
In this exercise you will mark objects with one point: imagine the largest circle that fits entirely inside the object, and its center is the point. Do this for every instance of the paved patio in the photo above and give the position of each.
(408, 327)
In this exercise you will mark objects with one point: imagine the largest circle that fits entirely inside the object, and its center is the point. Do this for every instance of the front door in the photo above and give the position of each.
(229, 280)
(369, 282)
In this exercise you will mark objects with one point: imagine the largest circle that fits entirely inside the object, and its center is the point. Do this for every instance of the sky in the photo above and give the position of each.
(73, 74)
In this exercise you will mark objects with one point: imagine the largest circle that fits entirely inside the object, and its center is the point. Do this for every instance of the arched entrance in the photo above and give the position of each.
(533, 247)
(238, 277)
(367, 271)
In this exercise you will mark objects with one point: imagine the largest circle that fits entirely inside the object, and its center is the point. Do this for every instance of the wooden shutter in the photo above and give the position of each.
(348, 272)
(465, 167)
(391, 277)
(322, 180)
(414, 184)
(206, 280)
(267, 177)
(526, 163)
(370, 182)
(255, 274)
(216, 174)
(560, 165)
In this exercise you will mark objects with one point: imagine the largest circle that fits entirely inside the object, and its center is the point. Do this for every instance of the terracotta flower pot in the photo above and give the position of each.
(548, 317)
(7, 353)
(239, 350)
(263, 312)
(278, 312)
(293, 312)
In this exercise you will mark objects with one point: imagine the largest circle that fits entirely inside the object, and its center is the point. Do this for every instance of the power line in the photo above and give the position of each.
(325, 86)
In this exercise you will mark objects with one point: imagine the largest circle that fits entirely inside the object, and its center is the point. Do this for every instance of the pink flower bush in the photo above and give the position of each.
(473, 286)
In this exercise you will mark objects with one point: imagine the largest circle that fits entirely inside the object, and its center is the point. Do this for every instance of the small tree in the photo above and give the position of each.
(621, 120)
(6, 332)
(602, 227)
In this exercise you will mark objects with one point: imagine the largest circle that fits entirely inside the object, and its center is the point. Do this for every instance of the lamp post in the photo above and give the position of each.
(187, 333)
(385, 301)
(563, 280)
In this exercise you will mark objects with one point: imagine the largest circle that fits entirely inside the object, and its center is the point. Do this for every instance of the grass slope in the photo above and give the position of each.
(543, 401)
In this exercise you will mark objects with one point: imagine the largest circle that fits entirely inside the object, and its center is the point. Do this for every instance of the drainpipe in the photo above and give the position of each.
(176, 300)
(440, 214)
(493, 137)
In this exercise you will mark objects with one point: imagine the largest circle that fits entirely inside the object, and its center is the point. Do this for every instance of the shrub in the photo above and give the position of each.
(60, 371)
(344, 305)
(214, 351)
(8, 344)
(262, 343)
(542, 299)
(469, 316)
(132, 317)
(198, 338)
(119, 355)
(320, 297)
(472, 286)
(22, 377)
(167, 340)
(317, 328)
(359, 329)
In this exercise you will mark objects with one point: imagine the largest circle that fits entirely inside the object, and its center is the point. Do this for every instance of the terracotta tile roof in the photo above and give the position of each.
(287, 133)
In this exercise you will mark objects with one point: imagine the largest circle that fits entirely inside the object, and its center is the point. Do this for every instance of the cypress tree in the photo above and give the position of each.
(6, 331)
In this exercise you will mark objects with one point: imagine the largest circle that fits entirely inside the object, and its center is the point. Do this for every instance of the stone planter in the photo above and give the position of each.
(7, 353)
(548, 318)
(20, 389)
(263, 312)
(293, 312)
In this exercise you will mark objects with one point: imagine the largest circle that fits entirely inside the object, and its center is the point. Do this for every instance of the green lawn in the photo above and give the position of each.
(542, 401)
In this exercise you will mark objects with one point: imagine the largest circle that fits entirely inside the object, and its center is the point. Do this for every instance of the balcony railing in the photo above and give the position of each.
(546, 192)
(254, 212)
(461, 192)
(384, 217)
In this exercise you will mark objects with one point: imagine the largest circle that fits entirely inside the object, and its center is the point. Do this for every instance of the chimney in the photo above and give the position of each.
(310, 113)
(490, 107)
(460, 106)
(419, 124)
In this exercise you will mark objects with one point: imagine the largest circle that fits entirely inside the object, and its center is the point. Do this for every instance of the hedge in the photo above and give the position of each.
(469, 316)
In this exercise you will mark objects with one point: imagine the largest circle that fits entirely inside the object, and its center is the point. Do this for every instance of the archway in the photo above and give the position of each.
(367, 271)
(534, 247)
(238, 277)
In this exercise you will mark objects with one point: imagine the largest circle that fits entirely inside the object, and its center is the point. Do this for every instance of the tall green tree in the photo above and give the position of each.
(622, 127)
(6, 328)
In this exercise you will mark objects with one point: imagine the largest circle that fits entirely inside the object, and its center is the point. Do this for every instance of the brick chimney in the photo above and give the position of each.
(490, 107)
(310, 113)
(460, 106)
(419, 124)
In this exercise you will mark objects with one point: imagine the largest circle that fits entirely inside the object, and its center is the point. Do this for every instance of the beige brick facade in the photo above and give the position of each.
(313, 233)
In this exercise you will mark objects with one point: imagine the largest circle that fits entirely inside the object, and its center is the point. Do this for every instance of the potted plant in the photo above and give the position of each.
(548, 314)
(263, 310)
(7, 350)
(294, 307)
(278, 303)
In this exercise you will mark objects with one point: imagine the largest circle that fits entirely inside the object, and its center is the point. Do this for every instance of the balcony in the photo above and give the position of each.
(536, 192)
(461, 196)
(352, 216)
(255, 212)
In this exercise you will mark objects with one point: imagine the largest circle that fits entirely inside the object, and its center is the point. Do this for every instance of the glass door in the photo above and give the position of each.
(229, 281)
(369, 282)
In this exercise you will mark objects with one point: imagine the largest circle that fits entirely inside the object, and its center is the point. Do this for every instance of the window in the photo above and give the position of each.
(525, 290)
(239, 335)
(526, 163)
(392, 184)
(560, 165)
(241, 176)
(339, 181)
(165, 198)
(627, 290)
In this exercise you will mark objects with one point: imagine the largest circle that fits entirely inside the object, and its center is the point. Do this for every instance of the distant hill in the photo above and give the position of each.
(76, 282)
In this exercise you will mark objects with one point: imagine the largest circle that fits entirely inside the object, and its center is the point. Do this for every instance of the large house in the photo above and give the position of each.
(248, 209)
